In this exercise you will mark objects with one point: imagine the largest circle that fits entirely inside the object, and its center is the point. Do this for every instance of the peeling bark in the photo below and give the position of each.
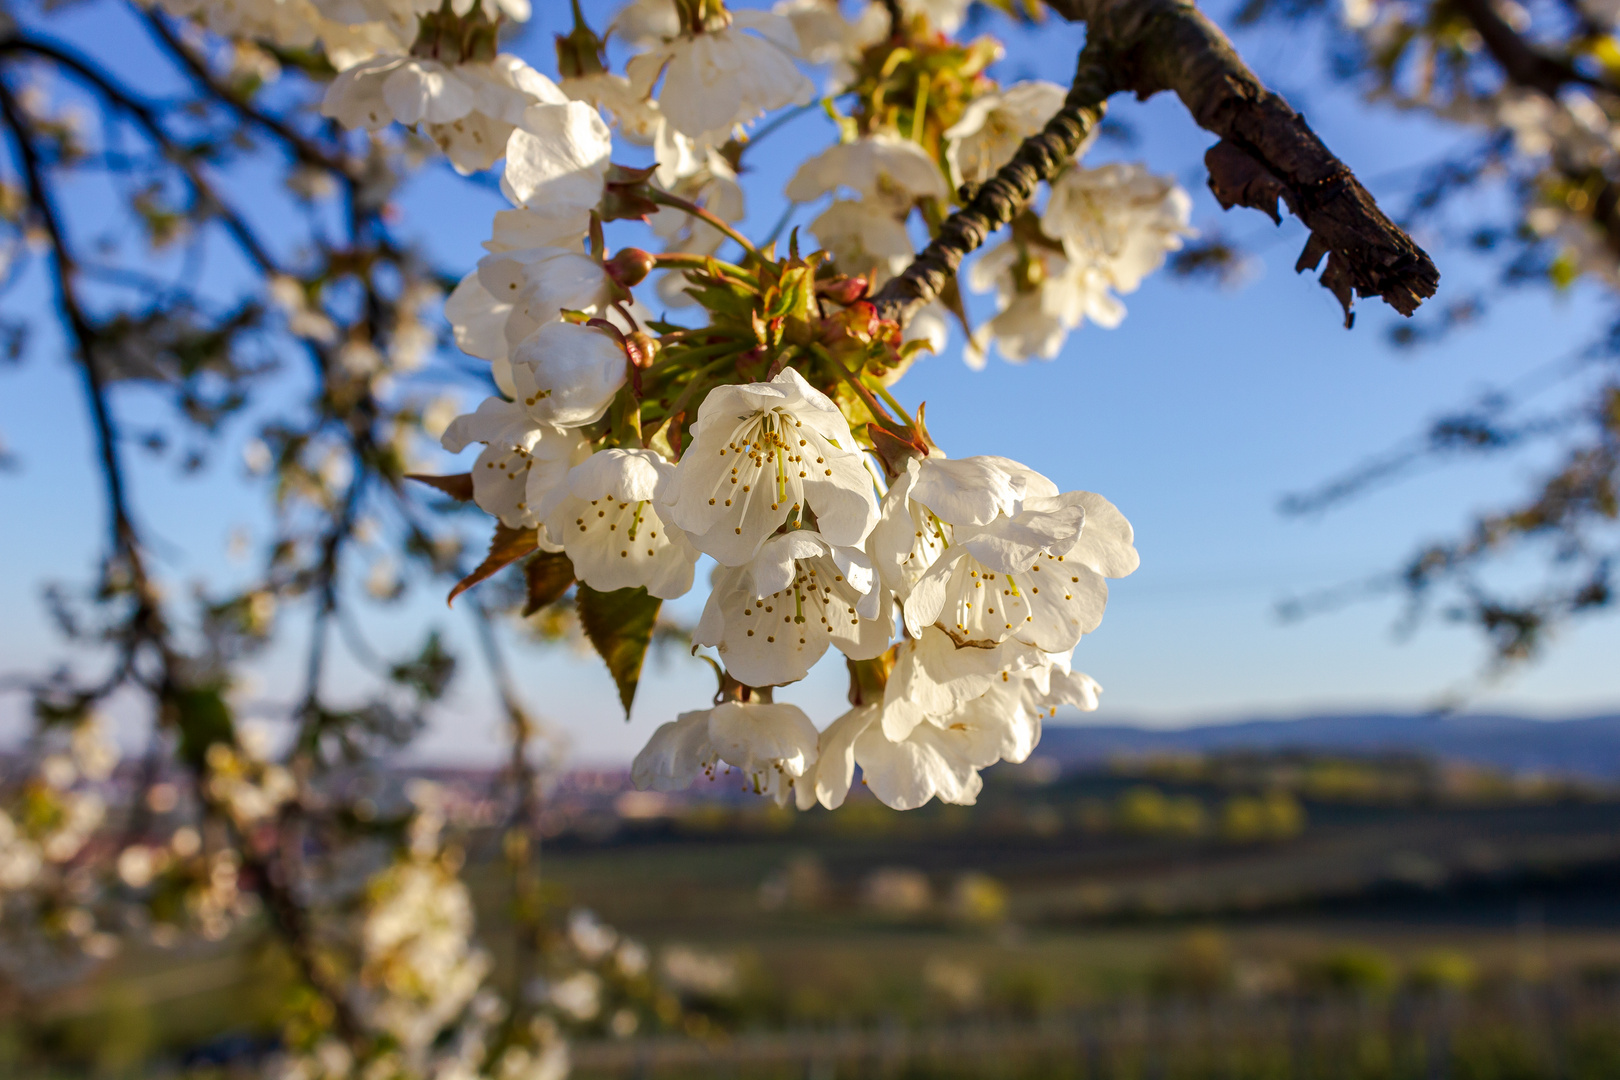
(1266, 150)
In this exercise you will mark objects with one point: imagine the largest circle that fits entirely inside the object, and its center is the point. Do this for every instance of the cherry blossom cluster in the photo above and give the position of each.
(423, 983)
(761, 434)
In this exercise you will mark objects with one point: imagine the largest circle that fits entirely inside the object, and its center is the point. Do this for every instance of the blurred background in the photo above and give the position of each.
(1312, 832)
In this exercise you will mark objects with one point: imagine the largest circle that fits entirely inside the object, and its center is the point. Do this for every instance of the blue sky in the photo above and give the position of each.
(1195, 416)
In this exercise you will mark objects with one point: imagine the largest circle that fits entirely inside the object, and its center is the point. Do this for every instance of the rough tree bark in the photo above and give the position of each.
(1266, 152)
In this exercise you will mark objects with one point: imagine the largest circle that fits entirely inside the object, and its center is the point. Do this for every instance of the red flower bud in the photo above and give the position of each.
(843, 290)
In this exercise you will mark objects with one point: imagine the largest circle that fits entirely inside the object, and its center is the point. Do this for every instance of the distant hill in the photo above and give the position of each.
(1588, 747)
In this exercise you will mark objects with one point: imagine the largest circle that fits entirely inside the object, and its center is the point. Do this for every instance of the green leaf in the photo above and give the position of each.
(620, 625)
(507, 546)
(548, 575)
(203, 719)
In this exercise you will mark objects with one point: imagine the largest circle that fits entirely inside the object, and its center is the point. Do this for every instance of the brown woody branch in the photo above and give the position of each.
(146, 625)
(1000, 199)
(1522, 62)
(1266, 152)
(304, 148)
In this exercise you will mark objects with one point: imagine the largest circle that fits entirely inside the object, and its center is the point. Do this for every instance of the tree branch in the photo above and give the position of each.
(146, 116)
(1266, 152)
(1522, 63)
(1000, 199)
(304, 148)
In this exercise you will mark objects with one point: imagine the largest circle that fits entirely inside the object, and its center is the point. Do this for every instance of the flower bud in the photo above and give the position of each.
(630, 266)
(843, 290)
(642, 348)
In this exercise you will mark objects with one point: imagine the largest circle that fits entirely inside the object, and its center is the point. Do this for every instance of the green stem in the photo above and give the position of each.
(878, 412)
(686, 356)
(670, 260)
(685, 397)
(900, 411)
(920, 109)
(664, 198)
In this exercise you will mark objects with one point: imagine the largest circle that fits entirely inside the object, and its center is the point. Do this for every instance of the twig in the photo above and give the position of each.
(1004, 195)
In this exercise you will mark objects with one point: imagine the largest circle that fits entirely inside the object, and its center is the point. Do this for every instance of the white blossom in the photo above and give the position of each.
(589, 936)
(865, 239)
(826, 36)
(1041, 295)
(417, 960)
(558, 156)
(644, 24)
(522, 460)
(535, 286)
(637, 118)
(578, 996)
(944, 16)
(991, 551)
(1109, 227)
(994, 125)
(774, 617)
(717, 79)
(764, 452)
(470, 109)
(605, 517)
(908, 759)
(773, 745)
(879, 168)
(566, 374)
(1121, 219)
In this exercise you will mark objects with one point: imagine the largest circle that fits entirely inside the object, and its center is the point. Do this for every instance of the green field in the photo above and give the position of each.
(1148, 922)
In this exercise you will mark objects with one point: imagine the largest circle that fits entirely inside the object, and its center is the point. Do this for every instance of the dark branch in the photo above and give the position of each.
(1170, 45)
(1267, 152)
(1522, 63)
(1000, 199)
(302, 147)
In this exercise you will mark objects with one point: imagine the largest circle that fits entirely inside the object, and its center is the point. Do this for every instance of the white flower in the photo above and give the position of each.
(697, 171)
(479, 323)
(643, 24)
(538, 284)
(558, 156)
(864, 238)
(416, 957)
(469, 109)
(993, 126)
(521, 463)
(918, 758)
(827, 37)
(589, 936)
(637, 118)
(605, 519)
(944, 16)
(1002, 554)
(772, 619)
(880, 168)
(579, 996)
(566, 374)
(773, 745)
(760, 453)
(541, 267)
(1118, 218)
(890, 175)
(717, 79)
(1041, 296)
